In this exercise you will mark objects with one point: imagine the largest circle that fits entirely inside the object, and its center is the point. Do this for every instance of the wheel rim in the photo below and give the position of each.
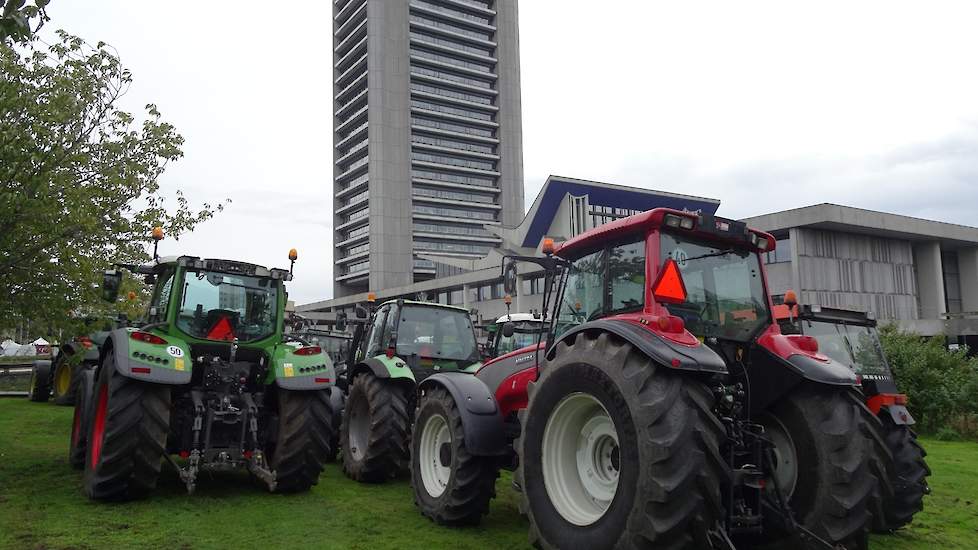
(359, 427)
(435, 454)
(785, 454)
(580, 459)
(62, 379)
(98, 429)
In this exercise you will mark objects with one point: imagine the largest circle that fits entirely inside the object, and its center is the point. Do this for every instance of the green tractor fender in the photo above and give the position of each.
(138, 357)
(385, 367)
(299, 371)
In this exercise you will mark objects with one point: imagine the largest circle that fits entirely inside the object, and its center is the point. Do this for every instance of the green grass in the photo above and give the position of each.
(41, 505)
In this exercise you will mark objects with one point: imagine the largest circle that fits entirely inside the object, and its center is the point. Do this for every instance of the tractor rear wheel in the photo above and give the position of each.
(904, 481)
(618, 451)
(822, 461)
(376, 429)
(63, 384)
(78, 443)
(39, 390)
(451, 486)
(127, 434)
(305, 428)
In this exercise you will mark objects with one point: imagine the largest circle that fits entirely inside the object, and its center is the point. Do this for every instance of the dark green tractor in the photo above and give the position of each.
(209, 377)
(400, 344)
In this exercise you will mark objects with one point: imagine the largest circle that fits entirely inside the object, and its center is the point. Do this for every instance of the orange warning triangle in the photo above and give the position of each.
(669, 286)
(221, 330)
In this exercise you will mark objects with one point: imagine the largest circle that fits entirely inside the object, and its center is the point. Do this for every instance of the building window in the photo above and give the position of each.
(456, 127)
(780, 254)
(455, 297)
(449, 110)
(451, 77)
(481, 35)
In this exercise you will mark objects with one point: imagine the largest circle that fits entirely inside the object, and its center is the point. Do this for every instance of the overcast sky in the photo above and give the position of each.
(763, 105)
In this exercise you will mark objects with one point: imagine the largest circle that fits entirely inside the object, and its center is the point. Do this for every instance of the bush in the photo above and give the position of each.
(941, 384)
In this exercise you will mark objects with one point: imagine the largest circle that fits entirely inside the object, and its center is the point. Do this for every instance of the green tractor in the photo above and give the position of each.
(402, 343)
(208, 376)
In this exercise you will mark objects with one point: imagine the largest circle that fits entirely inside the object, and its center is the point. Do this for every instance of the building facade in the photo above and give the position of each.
(565, 207)
(919, 273)
(427, 136)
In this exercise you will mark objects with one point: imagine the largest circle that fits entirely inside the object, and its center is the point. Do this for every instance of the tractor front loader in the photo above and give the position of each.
(208, 377)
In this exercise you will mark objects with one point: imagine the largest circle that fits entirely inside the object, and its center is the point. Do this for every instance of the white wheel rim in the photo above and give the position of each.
(359, 431)
(785, 454)
(435, 463)
(580, 459)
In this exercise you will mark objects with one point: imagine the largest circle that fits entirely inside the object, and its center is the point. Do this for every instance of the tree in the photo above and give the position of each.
(78, 178)
(16, 17)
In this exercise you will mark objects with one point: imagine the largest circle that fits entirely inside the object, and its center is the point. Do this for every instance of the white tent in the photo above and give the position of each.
(9, 347)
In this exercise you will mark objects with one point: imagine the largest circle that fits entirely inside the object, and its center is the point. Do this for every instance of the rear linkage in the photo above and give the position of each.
(225, 413)
(750, 456)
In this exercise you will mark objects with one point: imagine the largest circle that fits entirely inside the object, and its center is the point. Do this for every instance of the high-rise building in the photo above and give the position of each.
(427, 136)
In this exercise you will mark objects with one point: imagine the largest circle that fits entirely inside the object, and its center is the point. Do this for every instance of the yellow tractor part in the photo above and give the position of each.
(62, 379)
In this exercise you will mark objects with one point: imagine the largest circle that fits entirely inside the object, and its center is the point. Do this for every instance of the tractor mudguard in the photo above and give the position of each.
(90, 355)
(301, 372)
(385, 367)
(168, 363)
(481, 421)
(828, 372)
(698, 358)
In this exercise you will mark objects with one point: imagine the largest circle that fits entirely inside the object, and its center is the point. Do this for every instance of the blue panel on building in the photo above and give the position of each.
(599, 195)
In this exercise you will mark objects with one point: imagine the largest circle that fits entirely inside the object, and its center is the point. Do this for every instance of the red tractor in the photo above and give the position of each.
(850, 337)
(665, 409)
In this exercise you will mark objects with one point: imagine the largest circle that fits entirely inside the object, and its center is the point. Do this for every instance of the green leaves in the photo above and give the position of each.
(941, 384)
(16, 17)
(78, 178)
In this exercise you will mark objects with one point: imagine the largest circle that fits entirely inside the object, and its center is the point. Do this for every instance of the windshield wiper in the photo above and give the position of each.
(740, 252)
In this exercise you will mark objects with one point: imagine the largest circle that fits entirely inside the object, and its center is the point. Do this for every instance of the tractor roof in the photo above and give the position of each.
(706, 226)
(519, 317)
(213, 264)
(427, 304)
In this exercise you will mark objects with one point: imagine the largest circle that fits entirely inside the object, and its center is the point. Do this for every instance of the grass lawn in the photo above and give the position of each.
(41, 505)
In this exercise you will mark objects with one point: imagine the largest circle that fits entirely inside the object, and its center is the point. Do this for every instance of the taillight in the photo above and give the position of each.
(85, 342)
(308, 350)
(141, 336)
(390, 353)
(671, 324)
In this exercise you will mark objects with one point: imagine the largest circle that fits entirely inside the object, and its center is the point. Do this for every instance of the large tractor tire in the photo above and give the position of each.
(903, 477)
(39, 389)
(337, 403)
(78, 443)
(127, 435)
(822, 461)
(376, 430)
(451, 486)
(305, 428)
(617, 451)
(62, 381)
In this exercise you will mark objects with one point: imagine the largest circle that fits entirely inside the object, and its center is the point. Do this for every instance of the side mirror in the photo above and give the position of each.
(509, 329)
(341, 321)
(360, 312)
(111, 281)
(509, 278)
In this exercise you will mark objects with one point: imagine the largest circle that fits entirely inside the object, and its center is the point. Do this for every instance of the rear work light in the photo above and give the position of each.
(669, 287)
(141, 336)
(309, 350)
(671, 324)
(682, 222)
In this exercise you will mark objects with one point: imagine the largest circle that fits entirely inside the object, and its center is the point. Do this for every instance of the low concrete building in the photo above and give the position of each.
(919, 273)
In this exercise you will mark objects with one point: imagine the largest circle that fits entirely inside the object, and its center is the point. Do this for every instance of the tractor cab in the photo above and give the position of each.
(847, 336)
(426, 337)
(512, 332)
